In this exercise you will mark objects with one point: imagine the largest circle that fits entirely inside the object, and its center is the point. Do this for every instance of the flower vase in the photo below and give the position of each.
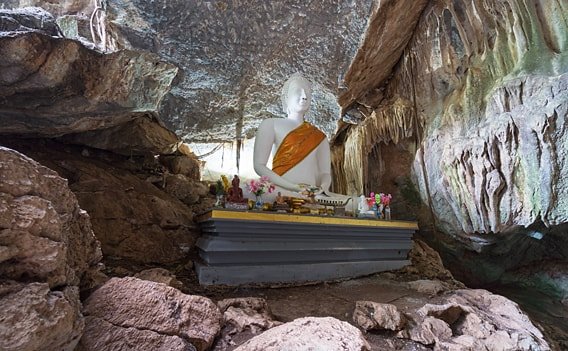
(259, 202)
(379, 212)
(388, 213)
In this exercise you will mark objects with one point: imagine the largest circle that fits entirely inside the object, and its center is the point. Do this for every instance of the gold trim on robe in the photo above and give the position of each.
(298, 144)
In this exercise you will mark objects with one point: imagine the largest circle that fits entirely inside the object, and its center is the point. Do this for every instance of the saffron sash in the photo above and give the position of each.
(298, 144)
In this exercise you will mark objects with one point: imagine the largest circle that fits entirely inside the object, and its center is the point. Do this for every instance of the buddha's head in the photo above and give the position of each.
(296, 95)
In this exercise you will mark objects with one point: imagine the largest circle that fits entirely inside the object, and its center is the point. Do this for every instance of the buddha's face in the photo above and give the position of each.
(299, 97)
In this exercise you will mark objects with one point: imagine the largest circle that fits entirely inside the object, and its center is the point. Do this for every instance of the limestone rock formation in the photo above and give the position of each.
(243, 318)
(386, 37)
(234, 56)
(163, 316)
(372, 315)
(474, 320)
(45, 237)
(28, 20)
(132, 217)
(51, 86)
(33, 317)
(476, 111)
(47, 250)
(310, 333)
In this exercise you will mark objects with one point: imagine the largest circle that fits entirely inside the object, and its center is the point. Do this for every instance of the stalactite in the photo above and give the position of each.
(392, 123)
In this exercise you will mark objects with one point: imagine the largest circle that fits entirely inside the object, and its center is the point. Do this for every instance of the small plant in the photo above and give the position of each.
(219, 188)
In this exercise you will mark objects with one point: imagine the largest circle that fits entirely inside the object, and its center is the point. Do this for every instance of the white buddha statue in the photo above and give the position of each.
(302, 155)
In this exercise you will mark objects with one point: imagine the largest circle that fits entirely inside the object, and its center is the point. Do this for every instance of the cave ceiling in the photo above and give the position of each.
(235, 55)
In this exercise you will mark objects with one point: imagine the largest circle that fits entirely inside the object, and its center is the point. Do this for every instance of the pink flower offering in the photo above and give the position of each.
(260, 186)
(386, 199)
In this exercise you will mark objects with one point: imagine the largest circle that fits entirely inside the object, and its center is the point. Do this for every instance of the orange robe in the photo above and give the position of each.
(298, 144)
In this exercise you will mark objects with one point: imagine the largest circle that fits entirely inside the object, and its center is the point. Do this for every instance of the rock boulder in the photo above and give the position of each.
(169, 316)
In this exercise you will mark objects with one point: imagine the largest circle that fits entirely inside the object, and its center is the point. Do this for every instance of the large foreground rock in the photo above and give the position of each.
(164, 316)
(474, 320)
(44, 235)
(47, 250)
(309, 333)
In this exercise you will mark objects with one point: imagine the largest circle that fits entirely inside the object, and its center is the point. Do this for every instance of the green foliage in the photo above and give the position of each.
(219, 188)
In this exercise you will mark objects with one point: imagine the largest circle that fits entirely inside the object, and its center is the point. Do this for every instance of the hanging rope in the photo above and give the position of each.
(98, 24)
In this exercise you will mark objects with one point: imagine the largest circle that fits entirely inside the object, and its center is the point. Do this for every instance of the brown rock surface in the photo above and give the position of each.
(159, 275)
(102, 335)
(474, 320)
(33, 317)
(51, 86)
(372, 315)
(146, 134)
(186, 164)
(385, 39)
(47, 250)
(134, 303)
(188, 191)
(243, 318)
(252, 313)
(309, 333)
(132, 217)
(44, 235)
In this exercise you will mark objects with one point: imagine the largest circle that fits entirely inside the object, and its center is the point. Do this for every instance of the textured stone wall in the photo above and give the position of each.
(47, 252)
(235, 56)
(483, 90)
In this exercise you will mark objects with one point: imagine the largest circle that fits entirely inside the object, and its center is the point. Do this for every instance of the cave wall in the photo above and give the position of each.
(481, 92)
(483, 88)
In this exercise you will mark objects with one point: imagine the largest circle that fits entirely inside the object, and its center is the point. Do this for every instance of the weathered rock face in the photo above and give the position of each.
(243, 318)
(52, 86)
(309, 333)
(372, 315)
(160, 316)
(131, 214)
(481, 93)
(33, 317)
(387, 35)
(45, 237)
(47, 250)
(28, 20)
(159, 275)
(474, 320)
(235, 56)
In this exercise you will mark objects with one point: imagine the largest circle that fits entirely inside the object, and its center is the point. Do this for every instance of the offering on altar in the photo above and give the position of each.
(235, 199)
(280, 205)
(219, 193)
(258, 187)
